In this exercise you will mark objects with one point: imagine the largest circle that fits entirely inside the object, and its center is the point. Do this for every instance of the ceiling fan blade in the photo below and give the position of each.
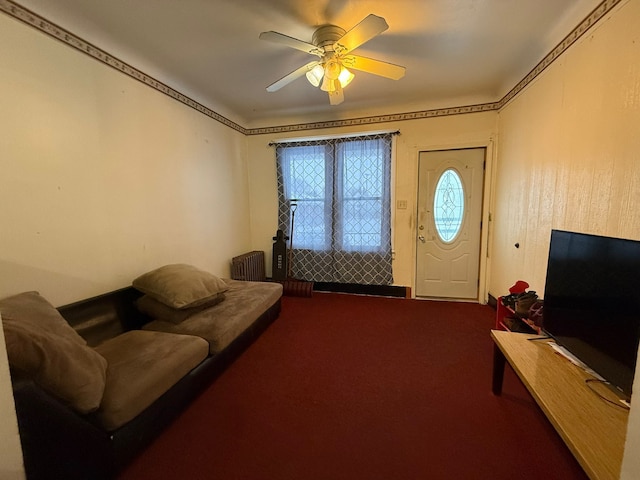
(287, 79)
(368, 28)
(336, 97)
(377, 67)
(291, 42)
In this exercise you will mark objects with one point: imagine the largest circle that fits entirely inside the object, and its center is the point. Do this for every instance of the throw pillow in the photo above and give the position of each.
(180, 286)
(159, 311)
(66, 368)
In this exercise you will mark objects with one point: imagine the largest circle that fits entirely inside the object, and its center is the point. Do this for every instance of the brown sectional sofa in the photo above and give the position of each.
(244, 301)
(95, 381)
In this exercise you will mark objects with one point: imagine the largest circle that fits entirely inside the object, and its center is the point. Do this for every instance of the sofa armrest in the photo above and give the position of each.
(57, 442)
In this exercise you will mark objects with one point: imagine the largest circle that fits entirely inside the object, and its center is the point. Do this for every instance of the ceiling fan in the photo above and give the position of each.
(333, 45)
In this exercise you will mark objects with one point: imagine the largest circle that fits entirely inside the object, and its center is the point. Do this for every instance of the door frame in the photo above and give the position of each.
(487, 202)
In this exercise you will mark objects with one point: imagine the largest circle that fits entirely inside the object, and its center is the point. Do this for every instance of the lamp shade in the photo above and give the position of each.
(315, 75)
(328, 84)
(345, 77)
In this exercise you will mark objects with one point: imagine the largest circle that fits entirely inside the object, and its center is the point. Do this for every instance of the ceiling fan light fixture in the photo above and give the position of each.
(345, 77)
(328, 84)
(332, 69)
(315, 75)
(335, 74)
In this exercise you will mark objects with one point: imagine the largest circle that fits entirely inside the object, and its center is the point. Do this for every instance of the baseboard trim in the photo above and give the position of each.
(378, 290)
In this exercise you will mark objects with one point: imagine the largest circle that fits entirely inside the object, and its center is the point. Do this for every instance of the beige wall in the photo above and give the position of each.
(569, 152)
(104, 178)
(457, 131)
(569, 158)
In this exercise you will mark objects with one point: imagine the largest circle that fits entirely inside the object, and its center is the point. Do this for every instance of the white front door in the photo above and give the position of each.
(449, 223)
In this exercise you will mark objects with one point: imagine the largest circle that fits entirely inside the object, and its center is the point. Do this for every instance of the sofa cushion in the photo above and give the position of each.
(73, 373)
(180, 285)
(220, 325)
(42, 346)
(142, 366)
(159, 311)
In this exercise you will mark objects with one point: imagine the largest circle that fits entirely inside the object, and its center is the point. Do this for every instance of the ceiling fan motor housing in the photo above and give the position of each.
(326, 35)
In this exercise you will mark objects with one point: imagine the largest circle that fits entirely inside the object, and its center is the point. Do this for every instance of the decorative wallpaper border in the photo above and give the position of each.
(596, 15)
(26, 16)
(45, 26)
(394, 117)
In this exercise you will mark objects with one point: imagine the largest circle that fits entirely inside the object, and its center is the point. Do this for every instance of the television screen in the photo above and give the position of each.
(592, 302)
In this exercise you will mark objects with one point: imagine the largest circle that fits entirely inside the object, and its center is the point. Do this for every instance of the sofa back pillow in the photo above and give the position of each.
(33, 309)
(51, 353)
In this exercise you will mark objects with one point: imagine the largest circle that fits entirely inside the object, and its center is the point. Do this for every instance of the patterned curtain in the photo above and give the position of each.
(336, 192)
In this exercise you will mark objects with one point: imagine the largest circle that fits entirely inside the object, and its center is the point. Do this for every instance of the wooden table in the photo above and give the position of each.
(593, 429)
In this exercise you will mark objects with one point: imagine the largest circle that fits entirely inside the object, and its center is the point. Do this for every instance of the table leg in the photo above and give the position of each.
(498, 370)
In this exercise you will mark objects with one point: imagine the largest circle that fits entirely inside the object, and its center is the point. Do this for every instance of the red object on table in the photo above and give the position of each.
(519, 287)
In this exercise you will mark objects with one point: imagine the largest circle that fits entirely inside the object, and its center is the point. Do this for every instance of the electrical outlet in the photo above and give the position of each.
(401, 204)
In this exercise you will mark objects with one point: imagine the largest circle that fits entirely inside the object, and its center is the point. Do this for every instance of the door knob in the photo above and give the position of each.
(421, 238)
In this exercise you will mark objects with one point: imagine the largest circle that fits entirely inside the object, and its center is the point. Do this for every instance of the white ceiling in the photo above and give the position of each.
(456, 52)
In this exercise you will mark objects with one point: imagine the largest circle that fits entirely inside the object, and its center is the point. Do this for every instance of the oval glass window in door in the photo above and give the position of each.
(448, 205)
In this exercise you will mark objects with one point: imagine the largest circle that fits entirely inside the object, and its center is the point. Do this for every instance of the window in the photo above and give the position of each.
(337, 193)
(448, 205)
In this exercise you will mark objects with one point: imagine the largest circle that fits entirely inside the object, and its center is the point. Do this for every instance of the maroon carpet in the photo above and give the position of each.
(353, 387)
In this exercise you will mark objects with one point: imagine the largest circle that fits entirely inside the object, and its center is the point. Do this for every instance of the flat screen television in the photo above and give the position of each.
(592, 302)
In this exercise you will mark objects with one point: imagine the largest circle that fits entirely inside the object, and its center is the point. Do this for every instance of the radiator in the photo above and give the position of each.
(248, 267)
